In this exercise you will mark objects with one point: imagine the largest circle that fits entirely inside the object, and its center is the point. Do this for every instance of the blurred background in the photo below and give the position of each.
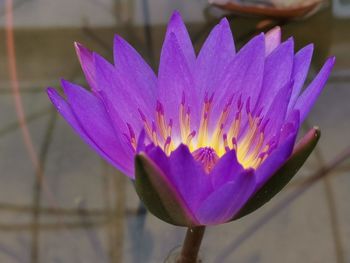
(59, 202)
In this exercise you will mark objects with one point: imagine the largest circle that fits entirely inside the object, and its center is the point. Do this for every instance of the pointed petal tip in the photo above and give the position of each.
(277, 29)
(81, 50)
(258, 40)
(175, 19)
(310, 46)
(96, 58)
(288, 45)
(328, 65)
(177, 26)
(69, 88)
(120, 45)
(224, 22)
(53, 95)
(182, 148)
(331, 60)
(140, 146)
(141, 158)
(316, 129)
(66, 85)
(290, 41)
(78, 45)
(50, 91)
(307, 142)
(176, 15)
(306, 52)
(274, 31)
(272, 39)
(100, 62)
(118, 39)
(63, 82)
(261, 36)
(56, 99)
(311, 137)
(316, 132)
(274, 34)
(307, 99)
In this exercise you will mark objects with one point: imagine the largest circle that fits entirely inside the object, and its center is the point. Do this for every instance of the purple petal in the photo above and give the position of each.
(215, 54)
(301, 66)
(292, 124)
(121, 127)
(277, 113)
(272, 40)
(66, 112)
(226, 169)
(169, 196)
(309, 96)
(87, 64)
(132, 67)
(174, 80)
(186, 174)
(226, 201)
(158, 156)
(277, 73)
(119, 93)
(141, 145)
(193, 183)
(242, 78)
(177, 27)
(278, 157)
(95, 122)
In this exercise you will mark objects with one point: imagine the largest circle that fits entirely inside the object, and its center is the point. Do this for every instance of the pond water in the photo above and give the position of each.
(59, 202)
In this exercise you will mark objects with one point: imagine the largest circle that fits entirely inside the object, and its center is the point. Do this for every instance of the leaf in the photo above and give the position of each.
(282, 177)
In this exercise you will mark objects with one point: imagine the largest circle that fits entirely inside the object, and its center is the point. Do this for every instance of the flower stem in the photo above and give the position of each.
(192, 243)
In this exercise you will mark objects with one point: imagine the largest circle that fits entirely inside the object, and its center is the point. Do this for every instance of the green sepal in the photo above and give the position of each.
(282, 177)
(158, 195)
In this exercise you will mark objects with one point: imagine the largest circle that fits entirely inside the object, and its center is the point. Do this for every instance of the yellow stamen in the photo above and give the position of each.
(249, 138)
(182, 119)
(203, 128)
(235, 127)
(258, 145)
(250, 146)
(161, 125)
(216, 137)
(167, 145)
(154, 135)
(189, 139)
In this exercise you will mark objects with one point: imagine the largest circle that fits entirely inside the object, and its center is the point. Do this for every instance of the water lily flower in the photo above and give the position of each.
(212, 136)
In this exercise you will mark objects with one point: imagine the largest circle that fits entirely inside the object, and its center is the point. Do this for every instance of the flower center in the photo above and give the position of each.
(207, 157)
(212, 139)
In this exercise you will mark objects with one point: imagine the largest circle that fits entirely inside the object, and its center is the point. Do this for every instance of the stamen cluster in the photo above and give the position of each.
(247, 139)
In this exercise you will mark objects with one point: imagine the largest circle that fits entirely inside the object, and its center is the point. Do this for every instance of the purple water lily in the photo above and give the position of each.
(209, 131)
